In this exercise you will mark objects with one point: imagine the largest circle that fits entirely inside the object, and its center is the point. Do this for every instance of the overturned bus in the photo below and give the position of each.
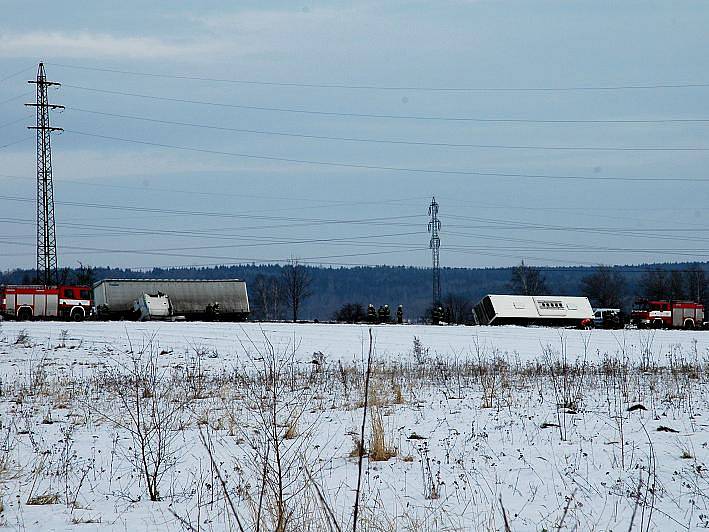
(534, 310)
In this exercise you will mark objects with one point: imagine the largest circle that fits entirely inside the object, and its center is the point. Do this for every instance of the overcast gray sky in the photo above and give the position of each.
(321, 131)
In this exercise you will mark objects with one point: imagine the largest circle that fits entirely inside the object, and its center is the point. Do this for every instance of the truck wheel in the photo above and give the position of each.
(657, 324)
(24, 314)
(689, 325)
(77, 314)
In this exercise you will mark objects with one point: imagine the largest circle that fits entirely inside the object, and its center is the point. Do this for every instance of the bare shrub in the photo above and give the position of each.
(419, 352)
(151, 413)
(63, 335)
(23, 338)
(492, 372)
(431, 483)
(567, 379)
(282, 494)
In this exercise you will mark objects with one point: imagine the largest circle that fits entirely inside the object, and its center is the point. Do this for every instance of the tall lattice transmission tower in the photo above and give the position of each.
(434, 225)
(46, 236)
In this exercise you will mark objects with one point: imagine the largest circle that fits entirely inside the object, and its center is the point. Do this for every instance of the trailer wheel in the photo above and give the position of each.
(77, 314)
(24, 314)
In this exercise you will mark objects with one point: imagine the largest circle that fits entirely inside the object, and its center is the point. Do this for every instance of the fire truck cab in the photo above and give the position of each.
(668, 314)
(27, 302)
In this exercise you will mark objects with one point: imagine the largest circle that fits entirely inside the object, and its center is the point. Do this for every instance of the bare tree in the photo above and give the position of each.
(696, 283)
(676, 285)
(297, 283)
(269, 298)
(605, 287)
(527, 280)
(654, 284)
(85, 275)
(63, 275)
(457, 308)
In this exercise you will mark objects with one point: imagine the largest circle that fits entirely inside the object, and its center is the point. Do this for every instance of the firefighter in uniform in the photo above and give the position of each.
(380, 314)
(400, 314)
(387, 314)
(437, 314)
(371, 314)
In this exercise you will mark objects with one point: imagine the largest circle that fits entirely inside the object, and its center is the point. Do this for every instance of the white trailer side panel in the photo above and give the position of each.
(186, 296)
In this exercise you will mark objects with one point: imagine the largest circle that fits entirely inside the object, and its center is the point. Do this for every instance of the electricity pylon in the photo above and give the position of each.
(435, 243)
(46, 235)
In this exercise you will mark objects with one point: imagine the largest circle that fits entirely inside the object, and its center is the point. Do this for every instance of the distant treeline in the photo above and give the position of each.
(331, 288)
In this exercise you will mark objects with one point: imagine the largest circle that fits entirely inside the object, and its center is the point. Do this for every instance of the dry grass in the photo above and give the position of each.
(398, 396)
(379, 449)
(292, 430)
(46, 498)
(357, 447)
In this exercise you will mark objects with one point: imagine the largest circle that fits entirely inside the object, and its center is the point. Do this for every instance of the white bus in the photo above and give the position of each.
(534, 310)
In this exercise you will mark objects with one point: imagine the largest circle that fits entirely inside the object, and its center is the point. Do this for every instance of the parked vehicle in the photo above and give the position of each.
(27, 302)
(667, 314)
(608, 318)
(194, 299)
(534, 310)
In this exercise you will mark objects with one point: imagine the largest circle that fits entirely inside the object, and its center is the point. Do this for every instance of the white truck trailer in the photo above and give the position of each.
(534, 310)
(223, 299)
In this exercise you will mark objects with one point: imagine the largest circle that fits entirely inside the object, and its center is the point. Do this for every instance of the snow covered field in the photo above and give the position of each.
(468, 428)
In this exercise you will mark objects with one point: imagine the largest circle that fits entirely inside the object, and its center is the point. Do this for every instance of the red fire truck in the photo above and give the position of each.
(27, 302)
(668, 314)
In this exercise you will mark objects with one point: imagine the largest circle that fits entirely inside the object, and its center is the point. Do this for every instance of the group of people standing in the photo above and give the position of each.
(438, 315)
(383, 314)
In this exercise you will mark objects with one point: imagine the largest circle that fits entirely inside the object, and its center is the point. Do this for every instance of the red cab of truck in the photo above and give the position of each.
(27, 302)
(667, 314)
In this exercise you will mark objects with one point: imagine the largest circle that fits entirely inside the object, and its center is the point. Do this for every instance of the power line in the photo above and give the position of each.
(608, 87)
(21, 119)
(215, 213)
(25, 139)
(337, 203)
(352, 240)
(537, 207)
(516, 224)
(393, 141)
(363, 166)
(565, 245)
(16, 74)
(23, 95)
(321, 202)
(103, 230)
(170, 254)
(679, 252)
(387, 116)
(247, 262)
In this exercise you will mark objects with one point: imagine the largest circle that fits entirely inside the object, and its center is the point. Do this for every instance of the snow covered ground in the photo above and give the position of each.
(468, 428)
(337, 342)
